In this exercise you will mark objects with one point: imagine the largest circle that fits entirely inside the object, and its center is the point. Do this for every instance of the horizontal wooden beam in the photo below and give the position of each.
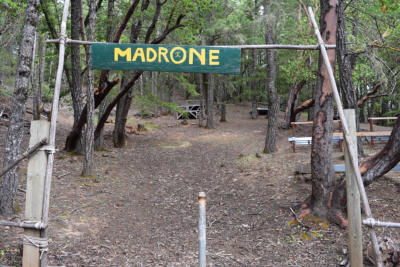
(269, 46)
(381, 118)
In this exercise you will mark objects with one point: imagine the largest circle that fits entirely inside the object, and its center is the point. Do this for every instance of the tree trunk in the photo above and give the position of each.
(154, 91)
(223, 99)
(99, 142)
(121, 115)
(76, 70)
(202, 96)
(323, 176)
(124, 104)
(345, 67)
(15, 134)
(292, 101)
(210, 101)
(89, 136)
(376, 166)
(273, 98)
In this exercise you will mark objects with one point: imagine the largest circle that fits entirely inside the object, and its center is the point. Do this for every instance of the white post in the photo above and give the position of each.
(202, 229)
(353, 198)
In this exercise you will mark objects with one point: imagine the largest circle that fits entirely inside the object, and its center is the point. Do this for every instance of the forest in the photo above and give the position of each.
(103, 155)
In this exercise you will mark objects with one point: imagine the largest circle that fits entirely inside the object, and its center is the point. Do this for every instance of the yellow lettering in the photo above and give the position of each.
(162, 51)
(201, 56)
(153, 52)
(183, 58)
(213, 55)
(126, 53)
(139, 53)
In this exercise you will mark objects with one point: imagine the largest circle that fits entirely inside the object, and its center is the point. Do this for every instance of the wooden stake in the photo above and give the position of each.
(34, 192)
(353, 198)
(352, 150)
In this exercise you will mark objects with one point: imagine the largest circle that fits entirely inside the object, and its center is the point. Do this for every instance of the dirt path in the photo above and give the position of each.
(141, 208)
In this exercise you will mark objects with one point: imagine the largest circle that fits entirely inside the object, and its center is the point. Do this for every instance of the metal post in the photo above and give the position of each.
(346, 135)
(353, 199)
(202, 229)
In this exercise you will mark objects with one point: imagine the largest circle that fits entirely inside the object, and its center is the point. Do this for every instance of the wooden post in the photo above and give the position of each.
(353, 198)
(34, 192)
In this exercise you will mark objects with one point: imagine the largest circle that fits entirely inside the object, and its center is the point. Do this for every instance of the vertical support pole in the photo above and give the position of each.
(34, 192)
(371, 129)
(353, 198)
(53, 126)
(202, 229)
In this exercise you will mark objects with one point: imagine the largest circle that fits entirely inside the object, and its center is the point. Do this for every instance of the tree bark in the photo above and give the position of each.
(345, 67)
(376, 166)
(89, 135)
(15, 134)
(76, 70)
(124, 104)
(121, 115)
(99, 142)
(223, 99)
(273, 98)
(290, 115)
(323, 176)
(210, 101)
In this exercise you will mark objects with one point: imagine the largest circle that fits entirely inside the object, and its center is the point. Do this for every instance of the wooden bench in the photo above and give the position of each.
(337, 138)
(309, 123)
(306, 169)
(191, 110)
(371, 125)
(304, 141)
(341, 168)
(262, 109)
(368, 137)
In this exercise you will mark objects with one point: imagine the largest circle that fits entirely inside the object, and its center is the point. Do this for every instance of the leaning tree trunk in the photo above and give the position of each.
(323, 176)
(345, 67)
(110, 26)
(374, 167)
(15, 134)
(89, 134)
(124, 104)
(76, 70)
(273, 98)
(290, 115)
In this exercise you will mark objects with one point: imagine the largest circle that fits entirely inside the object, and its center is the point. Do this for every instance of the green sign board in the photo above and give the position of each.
(171, 58)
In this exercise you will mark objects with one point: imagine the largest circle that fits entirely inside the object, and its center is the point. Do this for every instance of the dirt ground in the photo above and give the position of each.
(141, 207)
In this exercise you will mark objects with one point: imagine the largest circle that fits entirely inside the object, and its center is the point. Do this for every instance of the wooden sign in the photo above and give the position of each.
(170, 58)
